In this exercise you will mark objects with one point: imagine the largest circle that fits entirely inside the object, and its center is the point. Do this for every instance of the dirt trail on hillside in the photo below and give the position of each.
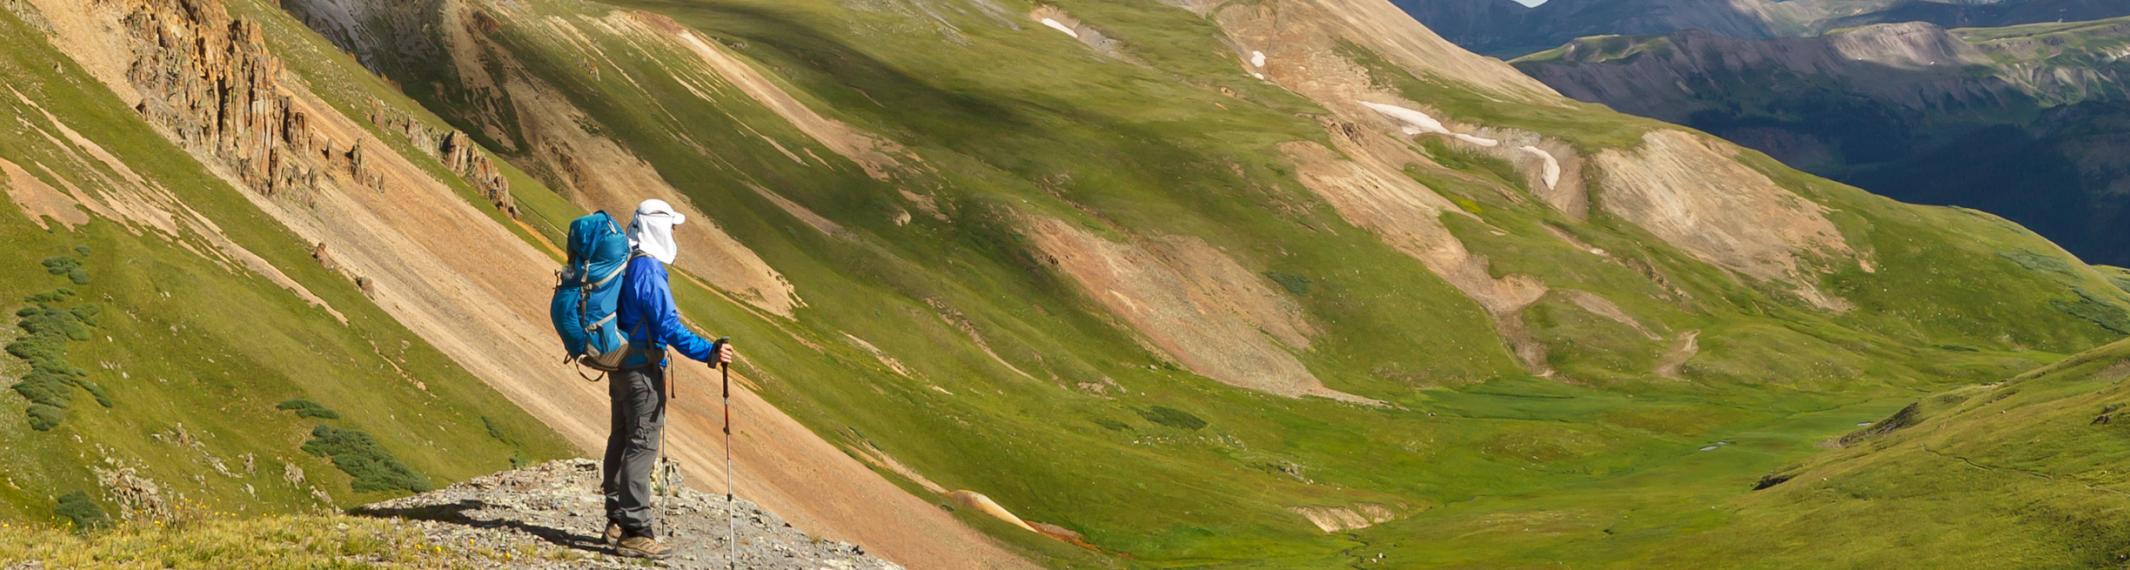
(1682, 350)
(478, 293)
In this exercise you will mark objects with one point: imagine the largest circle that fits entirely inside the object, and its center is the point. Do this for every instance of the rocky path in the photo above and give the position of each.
(549, 516)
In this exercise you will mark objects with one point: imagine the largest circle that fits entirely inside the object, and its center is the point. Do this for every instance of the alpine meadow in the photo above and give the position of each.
(1013, 284)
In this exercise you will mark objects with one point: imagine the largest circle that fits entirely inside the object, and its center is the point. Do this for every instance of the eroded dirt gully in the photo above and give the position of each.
(477, 292)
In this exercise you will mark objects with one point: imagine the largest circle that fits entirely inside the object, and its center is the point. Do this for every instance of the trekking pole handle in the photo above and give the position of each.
(719, 362)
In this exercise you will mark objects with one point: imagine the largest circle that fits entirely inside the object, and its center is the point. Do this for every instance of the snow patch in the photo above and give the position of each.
(1552, 169)
(1060, 26)
(1415, 122)
(1478, 140)
(1257, 59)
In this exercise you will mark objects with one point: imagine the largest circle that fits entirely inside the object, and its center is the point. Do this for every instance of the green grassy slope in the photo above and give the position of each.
(1015, 383)
(2019, 473)
(203, 347)
(1475, 447)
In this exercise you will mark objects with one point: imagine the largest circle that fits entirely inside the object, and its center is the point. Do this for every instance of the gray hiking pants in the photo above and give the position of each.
(638, 415)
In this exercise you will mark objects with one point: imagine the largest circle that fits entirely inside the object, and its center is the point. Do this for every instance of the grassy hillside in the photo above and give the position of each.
(1075, 276)
(996, 372)
(178, 355)
(2018, 473)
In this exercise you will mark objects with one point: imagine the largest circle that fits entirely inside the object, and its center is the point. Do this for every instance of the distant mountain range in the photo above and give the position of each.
(1909, 110)
(1508, 29)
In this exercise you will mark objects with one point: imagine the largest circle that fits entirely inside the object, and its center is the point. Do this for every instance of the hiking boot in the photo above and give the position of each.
(643, 547)
(613, 533)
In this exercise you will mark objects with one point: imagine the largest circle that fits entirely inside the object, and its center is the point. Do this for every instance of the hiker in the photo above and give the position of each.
(647, 315)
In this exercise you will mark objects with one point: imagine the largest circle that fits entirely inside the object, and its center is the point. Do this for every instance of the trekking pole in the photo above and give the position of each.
(665, 470)
(732, 544)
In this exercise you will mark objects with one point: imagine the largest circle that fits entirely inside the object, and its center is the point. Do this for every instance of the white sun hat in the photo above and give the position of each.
(652, 230)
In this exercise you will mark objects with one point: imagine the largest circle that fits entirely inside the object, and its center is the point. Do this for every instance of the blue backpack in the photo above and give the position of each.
(587, 290)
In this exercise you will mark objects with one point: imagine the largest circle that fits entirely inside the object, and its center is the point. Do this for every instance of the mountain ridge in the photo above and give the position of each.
(1503, 28)
(1899, 108)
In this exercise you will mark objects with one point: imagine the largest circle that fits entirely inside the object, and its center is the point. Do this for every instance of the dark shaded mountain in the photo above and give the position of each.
(1987, 14)
(1912, 111)
(1507, 29)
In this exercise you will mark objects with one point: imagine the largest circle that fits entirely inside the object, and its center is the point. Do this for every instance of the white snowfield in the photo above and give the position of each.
(1551, 173)
(1257, 59)
(1419, 123)
(1060, 26)
(1476, 139)
(1415, 122)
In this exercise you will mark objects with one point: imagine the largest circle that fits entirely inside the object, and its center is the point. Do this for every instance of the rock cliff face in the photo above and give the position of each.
(209, 79)
(455, 148)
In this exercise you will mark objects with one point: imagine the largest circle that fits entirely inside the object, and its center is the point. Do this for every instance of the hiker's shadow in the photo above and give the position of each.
(457, 513)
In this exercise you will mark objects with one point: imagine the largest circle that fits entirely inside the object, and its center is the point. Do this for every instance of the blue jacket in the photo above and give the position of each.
(646, 314)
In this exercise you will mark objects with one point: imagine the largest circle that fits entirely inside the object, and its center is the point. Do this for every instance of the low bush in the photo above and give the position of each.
(1173, 417)
(309, 409)
(77, 508)
(50, 383)
(1296, 284)
(69, 267)
(2091, 308)
(360, 456)
(494, 431)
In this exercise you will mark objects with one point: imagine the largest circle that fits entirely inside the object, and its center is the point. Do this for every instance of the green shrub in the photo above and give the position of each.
(77, 508)
(1172, 417)
(44, 417)
(494, 431)
(1296, 284)
(2037, 261)
(356, 454)
(2100, 312)
(68, 266)
(50, 383)
(309, 409)
(95, 391)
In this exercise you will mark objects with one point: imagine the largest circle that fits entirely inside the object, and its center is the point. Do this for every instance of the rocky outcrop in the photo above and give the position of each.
(454, 148)
(554, 510)
(210, 80)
